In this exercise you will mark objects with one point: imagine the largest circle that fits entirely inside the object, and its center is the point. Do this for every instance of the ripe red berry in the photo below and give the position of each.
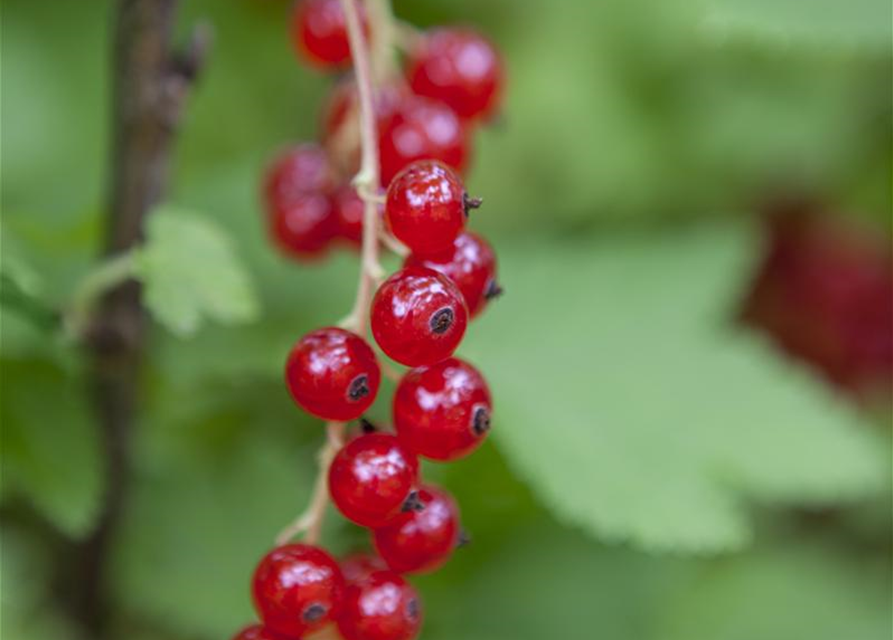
(349, 214)
(427, 206)
(300, 170)
(305, 227)
(460, 68)
(418, 316)
(297, 589)
(421, 541)
(333, 374)
(371, 478)
(257, 632)
(471, 264)
(421, 129)
(319, 32)
(382, 606)
(360, 565)
(442, 411)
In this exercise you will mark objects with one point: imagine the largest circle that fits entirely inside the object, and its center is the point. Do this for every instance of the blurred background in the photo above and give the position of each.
(691, 367)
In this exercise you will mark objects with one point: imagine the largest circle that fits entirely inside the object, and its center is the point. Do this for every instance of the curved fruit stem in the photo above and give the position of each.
(366, 183)
(367, 180)
(310, 521)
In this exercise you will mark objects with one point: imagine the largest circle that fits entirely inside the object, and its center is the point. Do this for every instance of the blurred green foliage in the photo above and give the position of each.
(638, 436)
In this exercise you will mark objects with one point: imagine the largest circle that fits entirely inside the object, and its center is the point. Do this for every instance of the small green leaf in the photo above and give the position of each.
(51, 448)
(21, 288)
(634, 411)
(192, 274)
(851, 24)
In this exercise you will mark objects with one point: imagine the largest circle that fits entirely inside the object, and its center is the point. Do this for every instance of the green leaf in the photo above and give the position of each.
(851, 24)
(22, 299)
(546, 582)
(51, 448)
(633, 411)
(802, 591)
(192, 274)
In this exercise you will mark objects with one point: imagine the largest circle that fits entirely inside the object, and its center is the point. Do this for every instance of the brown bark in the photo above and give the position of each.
(150, 83)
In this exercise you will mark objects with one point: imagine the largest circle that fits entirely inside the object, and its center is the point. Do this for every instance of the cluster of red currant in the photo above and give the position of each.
(452, 82)
(418, 316)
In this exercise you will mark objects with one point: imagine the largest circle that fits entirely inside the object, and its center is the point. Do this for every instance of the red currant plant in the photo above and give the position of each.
(413, 140)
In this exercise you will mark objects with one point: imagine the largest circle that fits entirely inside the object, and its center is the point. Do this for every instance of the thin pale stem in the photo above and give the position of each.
(366, 183)
(311, 520)
(383, 26)
(110, 274)
(367, 180)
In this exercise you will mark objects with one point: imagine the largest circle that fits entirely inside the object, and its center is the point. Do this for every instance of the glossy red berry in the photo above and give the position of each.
(382, 606)
(421, 129)
(371, 478)
(460, 68)
(297, 589)
(305, 227)
(300, 170)
(319, 33)
(333, 374)
(470, 263)
(360, 565)
(421, 541)
(257, 632)
(426, 206)
(349, 214)
(418, 316)
(442, 411)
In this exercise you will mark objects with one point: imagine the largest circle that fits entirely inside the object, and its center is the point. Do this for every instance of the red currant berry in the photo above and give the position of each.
(383, 606)
(418, 129)
(305, 227)
(319, 32)
(257, 632)
(470, 264)
(359, 566)
(333, 374)
(349, 214)
(421, 541)
(427, 206)
(418, 316)
(297, 589)
(371, 478)
(460, 68)
(442, 411)
(299, 170)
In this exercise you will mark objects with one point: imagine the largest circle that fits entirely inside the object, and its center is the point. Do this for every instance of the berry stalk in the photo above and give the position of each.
(367, 179)
(366, 183)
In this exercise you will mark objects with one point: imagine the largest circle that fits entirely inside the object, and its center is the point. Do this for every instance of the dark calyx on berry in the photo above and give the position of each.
(359, 388)
(471, 203)
(442, 320)
(367, 426)
(412, 609)
(314, 612)
(464, 539)
(480, 420)
(493, 290)
(413, 503)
